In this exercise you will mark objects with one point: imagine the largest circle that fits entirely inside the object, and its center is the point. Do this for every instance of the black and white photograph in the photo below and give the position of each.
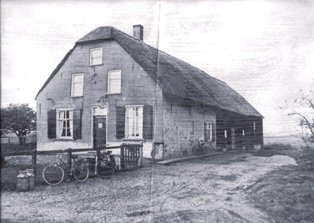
(157, 111)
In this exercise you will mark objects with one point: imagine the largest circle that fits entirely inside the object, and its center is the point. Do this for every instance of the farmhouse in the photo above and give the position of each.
(112, 86)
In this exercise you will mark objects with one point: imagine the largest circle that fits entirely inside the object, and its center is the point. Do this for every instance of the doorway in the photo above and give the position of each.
(233, 138)
(99, 131)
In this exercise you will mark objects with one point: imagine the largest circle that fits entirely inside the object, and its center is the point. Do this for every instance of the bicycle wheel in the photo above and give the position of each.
(81, 172)
(105, 169)
(53, 174)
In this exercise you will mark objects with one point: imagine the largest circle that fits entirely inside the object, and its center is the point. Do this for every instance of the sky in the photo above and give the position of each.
(264, 49)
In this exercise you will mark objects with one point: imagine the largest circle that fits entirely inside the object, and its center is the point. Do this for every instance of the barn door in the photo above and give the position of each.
(99, 131)
(233, 138)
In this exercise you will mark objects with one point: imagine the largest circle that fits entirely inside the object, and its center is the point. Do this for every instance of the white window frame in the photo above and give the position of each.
(225, 133)
(209, 127)
(92, 58)
(59, 123)
(73, 93)
(110, 88)
(134, 125)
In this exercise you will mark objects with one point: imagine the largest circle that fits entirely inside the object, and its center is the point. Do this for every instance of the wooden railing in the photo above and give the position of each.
(131, 154)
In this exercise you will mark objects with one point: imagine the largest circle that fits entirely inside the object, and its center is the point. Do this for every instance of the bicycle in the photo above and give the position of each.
(54, 174)
(106, 165)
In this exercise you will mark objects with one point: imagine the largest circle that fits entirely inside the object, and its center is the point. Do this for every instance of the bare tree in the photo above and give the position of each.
(305, 114)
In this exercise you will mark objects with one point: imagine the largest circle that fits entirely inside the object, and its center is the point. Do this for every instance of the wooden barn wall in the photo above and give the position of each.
(251, 137)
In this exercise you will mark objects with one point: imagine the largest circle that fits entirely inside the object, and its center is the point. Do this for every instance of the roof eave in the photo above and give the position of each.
(55, 71)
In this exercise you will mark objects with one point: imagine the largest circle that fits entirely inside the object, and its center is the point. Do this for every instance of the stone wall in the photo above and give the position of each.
(183, 125)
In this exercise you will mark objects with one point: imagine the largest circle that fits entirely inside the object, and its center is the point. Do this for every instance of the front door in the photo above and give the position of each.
(99, 131)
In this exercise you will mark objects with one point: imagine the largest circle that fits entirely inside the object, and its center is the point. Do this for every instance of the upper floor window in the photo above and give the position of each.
(114, 81)
(96, 56)
(77, 85)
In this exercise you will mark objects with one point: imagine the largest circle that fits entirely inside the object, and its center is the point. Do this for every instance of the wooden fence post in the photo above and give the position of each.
(69, 161)
(97, 159)
(141, 155)
(34, 160)
(122, 159)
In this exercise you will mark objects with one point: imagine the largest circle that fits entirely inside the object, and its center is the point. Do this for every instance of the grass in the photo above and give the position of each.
(287, 194)
(10, 171)
(16, 148)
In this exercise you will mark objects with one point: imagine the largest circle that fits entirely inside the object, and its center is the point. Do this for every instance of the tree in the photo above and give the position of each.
(18, 118)
(305, 114)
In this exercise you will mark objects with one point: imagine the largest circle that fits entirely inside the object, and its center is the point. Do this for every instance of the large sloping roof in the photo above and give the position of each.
(175, 76)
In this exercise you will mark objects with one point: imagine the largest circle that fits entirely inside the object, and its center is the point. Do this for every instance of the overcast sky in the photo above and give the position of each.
(262, 49)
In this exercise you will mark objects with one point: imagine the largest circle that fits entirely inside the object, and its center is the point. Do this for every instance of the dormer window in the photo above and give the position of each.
(96, 56)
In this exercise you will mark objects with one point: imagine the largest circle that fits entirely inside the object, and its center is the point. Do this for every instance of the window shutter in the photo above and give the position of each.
(51, 121)
(148, 122)
(77, 124)
(120, 122)
(205, 132)
(214, 131)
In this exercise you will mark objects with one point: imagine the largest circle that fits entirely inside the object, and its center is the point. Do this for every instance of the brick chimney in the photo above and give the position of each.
(138, 32)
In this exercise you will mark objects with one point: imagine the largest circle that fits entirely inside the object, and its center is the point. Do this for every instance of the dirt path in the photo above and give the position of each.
(207, 190)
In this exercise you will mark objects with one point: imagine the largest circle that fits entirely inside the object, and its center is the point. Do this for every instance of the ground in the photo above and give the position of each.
(266, 186)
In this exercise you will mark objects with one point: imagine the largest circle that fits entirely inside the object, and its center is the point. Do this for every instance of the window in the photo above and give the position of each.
(208, 131)
(114, 81)
(65, 123)
(225, 133)
(243, 132)
(77, 85)
(254, 126)
(96, 56)
(134, 121)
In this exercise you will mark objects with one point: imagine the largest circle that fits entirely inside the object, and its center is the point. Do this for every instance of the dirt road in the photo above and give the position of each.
(206, 190)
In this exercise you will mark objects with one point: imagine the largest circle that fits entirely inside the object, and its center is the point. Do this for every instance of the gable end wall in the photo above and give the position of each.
(137, 88)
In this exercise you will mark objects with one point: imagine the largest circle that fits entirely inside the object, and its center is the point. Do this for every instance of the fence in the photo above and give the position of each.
(131, 154)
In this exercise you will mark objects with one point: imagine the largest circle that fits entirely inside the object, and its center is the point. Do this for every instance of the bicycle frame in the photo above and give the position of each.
(65, 166)
(105, 156)
(70, 168)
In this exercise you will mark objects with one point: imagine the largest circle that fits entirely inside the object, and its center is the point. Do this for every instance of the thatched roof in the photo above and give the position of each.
(175, 76)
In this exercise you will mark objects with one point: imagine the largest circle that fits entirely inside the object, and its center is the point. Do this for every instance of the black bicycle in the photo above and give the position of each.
(54, 174)
(106, 164)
